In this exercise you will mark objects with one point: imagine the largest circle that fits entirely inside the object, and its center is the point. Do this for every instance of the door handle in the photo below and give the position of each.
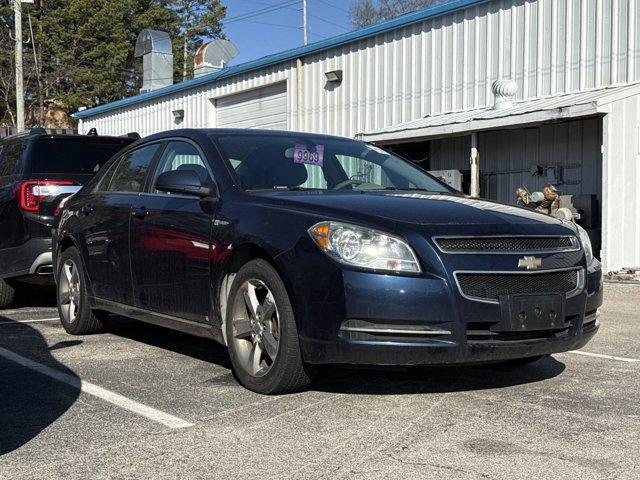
(140, 212)
(87, 209)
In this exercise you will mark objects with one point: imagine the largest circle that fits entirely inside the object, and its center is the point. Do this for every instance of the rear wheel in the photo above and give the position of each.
(75, 314)
(262, 334)
(6, 294)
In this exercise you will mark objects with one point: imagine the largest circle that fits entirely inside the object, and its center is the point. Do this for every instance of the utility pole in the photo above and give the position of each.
(304, 21)
(17, 13)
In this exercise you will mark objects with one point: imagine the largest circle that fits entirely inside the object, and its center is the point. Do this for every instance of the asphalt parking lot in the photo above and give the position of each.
(145, 402)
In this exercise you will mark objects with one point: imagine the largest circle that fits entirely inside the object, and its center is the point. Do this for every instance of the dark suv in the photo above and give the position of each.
(37, 170)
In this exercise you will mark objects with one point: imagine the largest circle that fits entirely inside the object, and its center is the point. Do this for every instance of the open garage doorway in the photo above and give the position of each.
(566, 154)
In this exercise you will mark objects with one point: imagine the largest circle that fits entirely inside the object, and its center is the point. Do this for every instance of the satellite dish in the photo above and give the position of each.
(213, 56)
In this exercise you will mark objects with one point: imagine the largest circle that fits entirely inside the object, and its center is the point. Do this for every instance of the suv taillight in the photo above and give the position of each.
(30, 192)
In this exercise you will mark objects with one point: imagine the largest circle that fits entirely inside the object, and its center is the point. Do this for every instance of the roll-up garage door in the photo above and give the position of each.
(258, 108)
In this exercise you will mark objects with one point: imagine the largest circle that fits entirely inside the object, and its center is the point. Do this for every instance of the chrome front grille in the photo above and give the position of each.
(490, 286)
(513, 244)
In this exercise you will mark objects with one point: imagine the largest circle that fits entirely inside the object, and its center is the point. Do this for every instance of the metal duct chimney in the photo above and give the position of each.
(504, 92)
(213, 56)
(155, 49)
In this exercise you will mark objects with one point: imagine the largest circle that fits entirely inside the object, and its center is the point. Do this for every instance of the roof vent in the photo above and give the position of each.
(504, 92)
(213, 56)
(155, 49)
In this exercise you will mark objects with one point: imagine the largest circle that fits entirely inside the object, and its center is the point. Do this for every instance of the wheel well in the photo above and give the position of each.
(64, 244)
(240, 256)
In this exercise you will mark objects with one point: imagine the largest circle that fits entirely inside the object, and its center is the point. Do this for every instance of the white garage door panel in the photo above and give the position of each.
(260, 108)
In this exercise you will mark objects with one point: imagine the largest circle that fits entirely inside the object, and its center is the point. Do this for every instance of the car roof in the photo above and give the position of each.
(62, 136)
(189, 132)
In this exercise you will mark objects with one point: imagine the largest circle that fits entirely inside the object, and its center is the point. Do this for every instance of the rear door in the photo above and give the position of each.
(170, 241)
(11, 225)
(106, 215)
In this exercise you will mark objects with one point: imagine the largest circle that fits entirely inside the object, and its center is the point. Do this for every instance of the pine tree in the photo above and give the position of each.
(200, 20)
(84, 50)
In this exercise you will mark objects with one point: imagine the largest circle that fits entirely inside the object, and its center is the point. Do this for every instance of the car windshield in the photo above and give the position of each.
(291, 162)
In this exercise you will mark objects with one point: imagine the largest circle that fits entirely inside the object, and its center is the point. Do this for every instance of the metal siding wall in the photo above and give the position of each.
(620, 180)
(442, 64)
(199, 105)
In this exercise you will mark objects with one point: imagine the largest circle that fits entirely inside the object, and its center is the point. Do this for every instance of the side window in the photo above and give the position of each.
(103, 182)
(10, 159)
(131, 169)
(180, 156)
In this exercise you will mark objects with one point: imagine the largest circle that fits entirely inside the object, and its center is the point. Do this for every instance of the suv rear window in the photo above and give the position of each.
(72, 156)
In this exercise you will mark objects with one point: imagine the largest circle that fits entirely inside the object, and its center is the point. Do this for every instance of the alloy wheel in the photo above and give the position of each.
(69, 291)
(256, 327)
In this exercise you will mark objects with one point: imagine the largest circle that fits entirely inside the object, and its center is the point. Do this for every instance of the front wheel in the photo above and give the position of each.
(73, 307)
(262, 334)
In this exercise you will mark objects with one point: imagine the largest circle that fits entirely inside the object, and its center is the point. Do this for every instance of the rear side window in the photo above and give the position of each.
(71, 156)
(131, 170)
(10, 158)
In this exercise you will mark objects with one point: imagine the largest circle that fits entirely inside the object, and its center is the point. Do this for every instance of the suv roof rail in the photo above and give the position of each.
(135, 135)
(37, 130)
(93, 132)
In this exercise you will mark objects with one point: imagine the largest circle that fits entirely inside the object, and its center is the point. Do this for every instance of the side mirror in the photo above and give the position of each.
(185, 182)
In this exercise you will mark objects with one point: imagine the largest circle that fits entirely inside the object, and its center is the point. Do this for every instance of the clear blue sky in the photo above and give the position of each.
(255, 39)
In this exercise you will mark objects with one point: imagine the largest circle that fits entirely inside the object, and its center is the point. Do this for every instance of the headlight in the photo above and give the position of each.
(364, 248)
(586, 243)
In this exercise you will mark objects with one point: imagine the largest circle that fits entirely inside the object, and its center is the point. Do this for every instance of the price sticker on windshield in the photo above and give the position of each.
(301, 154)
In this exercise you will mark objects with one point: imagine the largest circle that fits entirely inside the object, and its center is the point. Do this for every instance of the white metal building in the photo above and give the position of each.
(421, 84)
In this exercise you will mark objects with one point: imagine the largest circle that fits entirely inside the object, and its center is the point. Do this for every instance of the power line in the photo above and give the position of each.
(334, 6)
(273, 24)
(327, 21)
(260, 11)
(317, 35)
(256, 2)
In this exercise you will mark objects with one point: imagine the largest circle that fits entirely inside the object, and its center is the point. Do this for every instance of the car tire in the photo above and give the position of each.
(76, 315)
(7, 294)
(260, 365)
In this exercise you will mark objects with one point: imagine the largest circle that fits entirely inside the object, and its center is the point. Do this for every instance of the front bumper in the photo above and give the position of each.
(433, 305)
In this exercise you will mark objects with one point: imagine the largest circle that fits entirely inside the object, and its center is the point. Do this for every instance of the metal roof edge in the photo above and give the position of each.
(479, 124)
(349, 37)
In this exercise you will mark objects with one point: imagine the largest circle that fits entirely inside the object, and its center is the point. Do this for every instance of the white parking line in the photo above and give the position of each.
(608, 357)
(97, 391)
(13, 322)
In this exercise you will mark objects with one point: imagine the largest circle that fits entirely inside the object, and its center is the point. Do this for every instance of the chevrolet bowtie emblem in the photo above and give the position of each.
(530, 263)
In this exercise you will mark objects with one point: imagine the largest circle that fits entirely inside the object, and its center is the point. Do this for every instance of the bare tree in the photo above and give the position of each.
(368, 12)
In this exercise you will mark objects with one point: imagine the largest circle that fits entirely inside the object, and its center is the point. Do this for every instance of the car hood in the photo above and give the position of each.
(408, 207)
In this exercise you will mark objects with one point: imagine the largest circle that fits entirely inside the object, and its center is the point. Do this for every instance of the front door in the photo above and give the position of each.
(106, 214)
(170, 242)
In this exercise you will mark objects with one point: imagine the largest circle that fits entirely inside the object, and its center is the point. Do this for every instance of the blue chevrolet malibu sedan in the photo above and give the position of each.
(297, 250)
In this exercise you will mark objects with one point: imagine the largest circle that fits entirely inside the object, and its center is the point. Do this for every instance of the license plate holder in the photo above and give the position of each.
(531, 312)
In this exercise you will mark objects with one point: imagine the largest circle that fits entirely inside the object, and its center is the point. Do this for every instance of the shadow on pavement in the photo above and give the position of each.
(372, 381)
(199, 348)
(29, 401)
(413, 380)
(32, 296)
